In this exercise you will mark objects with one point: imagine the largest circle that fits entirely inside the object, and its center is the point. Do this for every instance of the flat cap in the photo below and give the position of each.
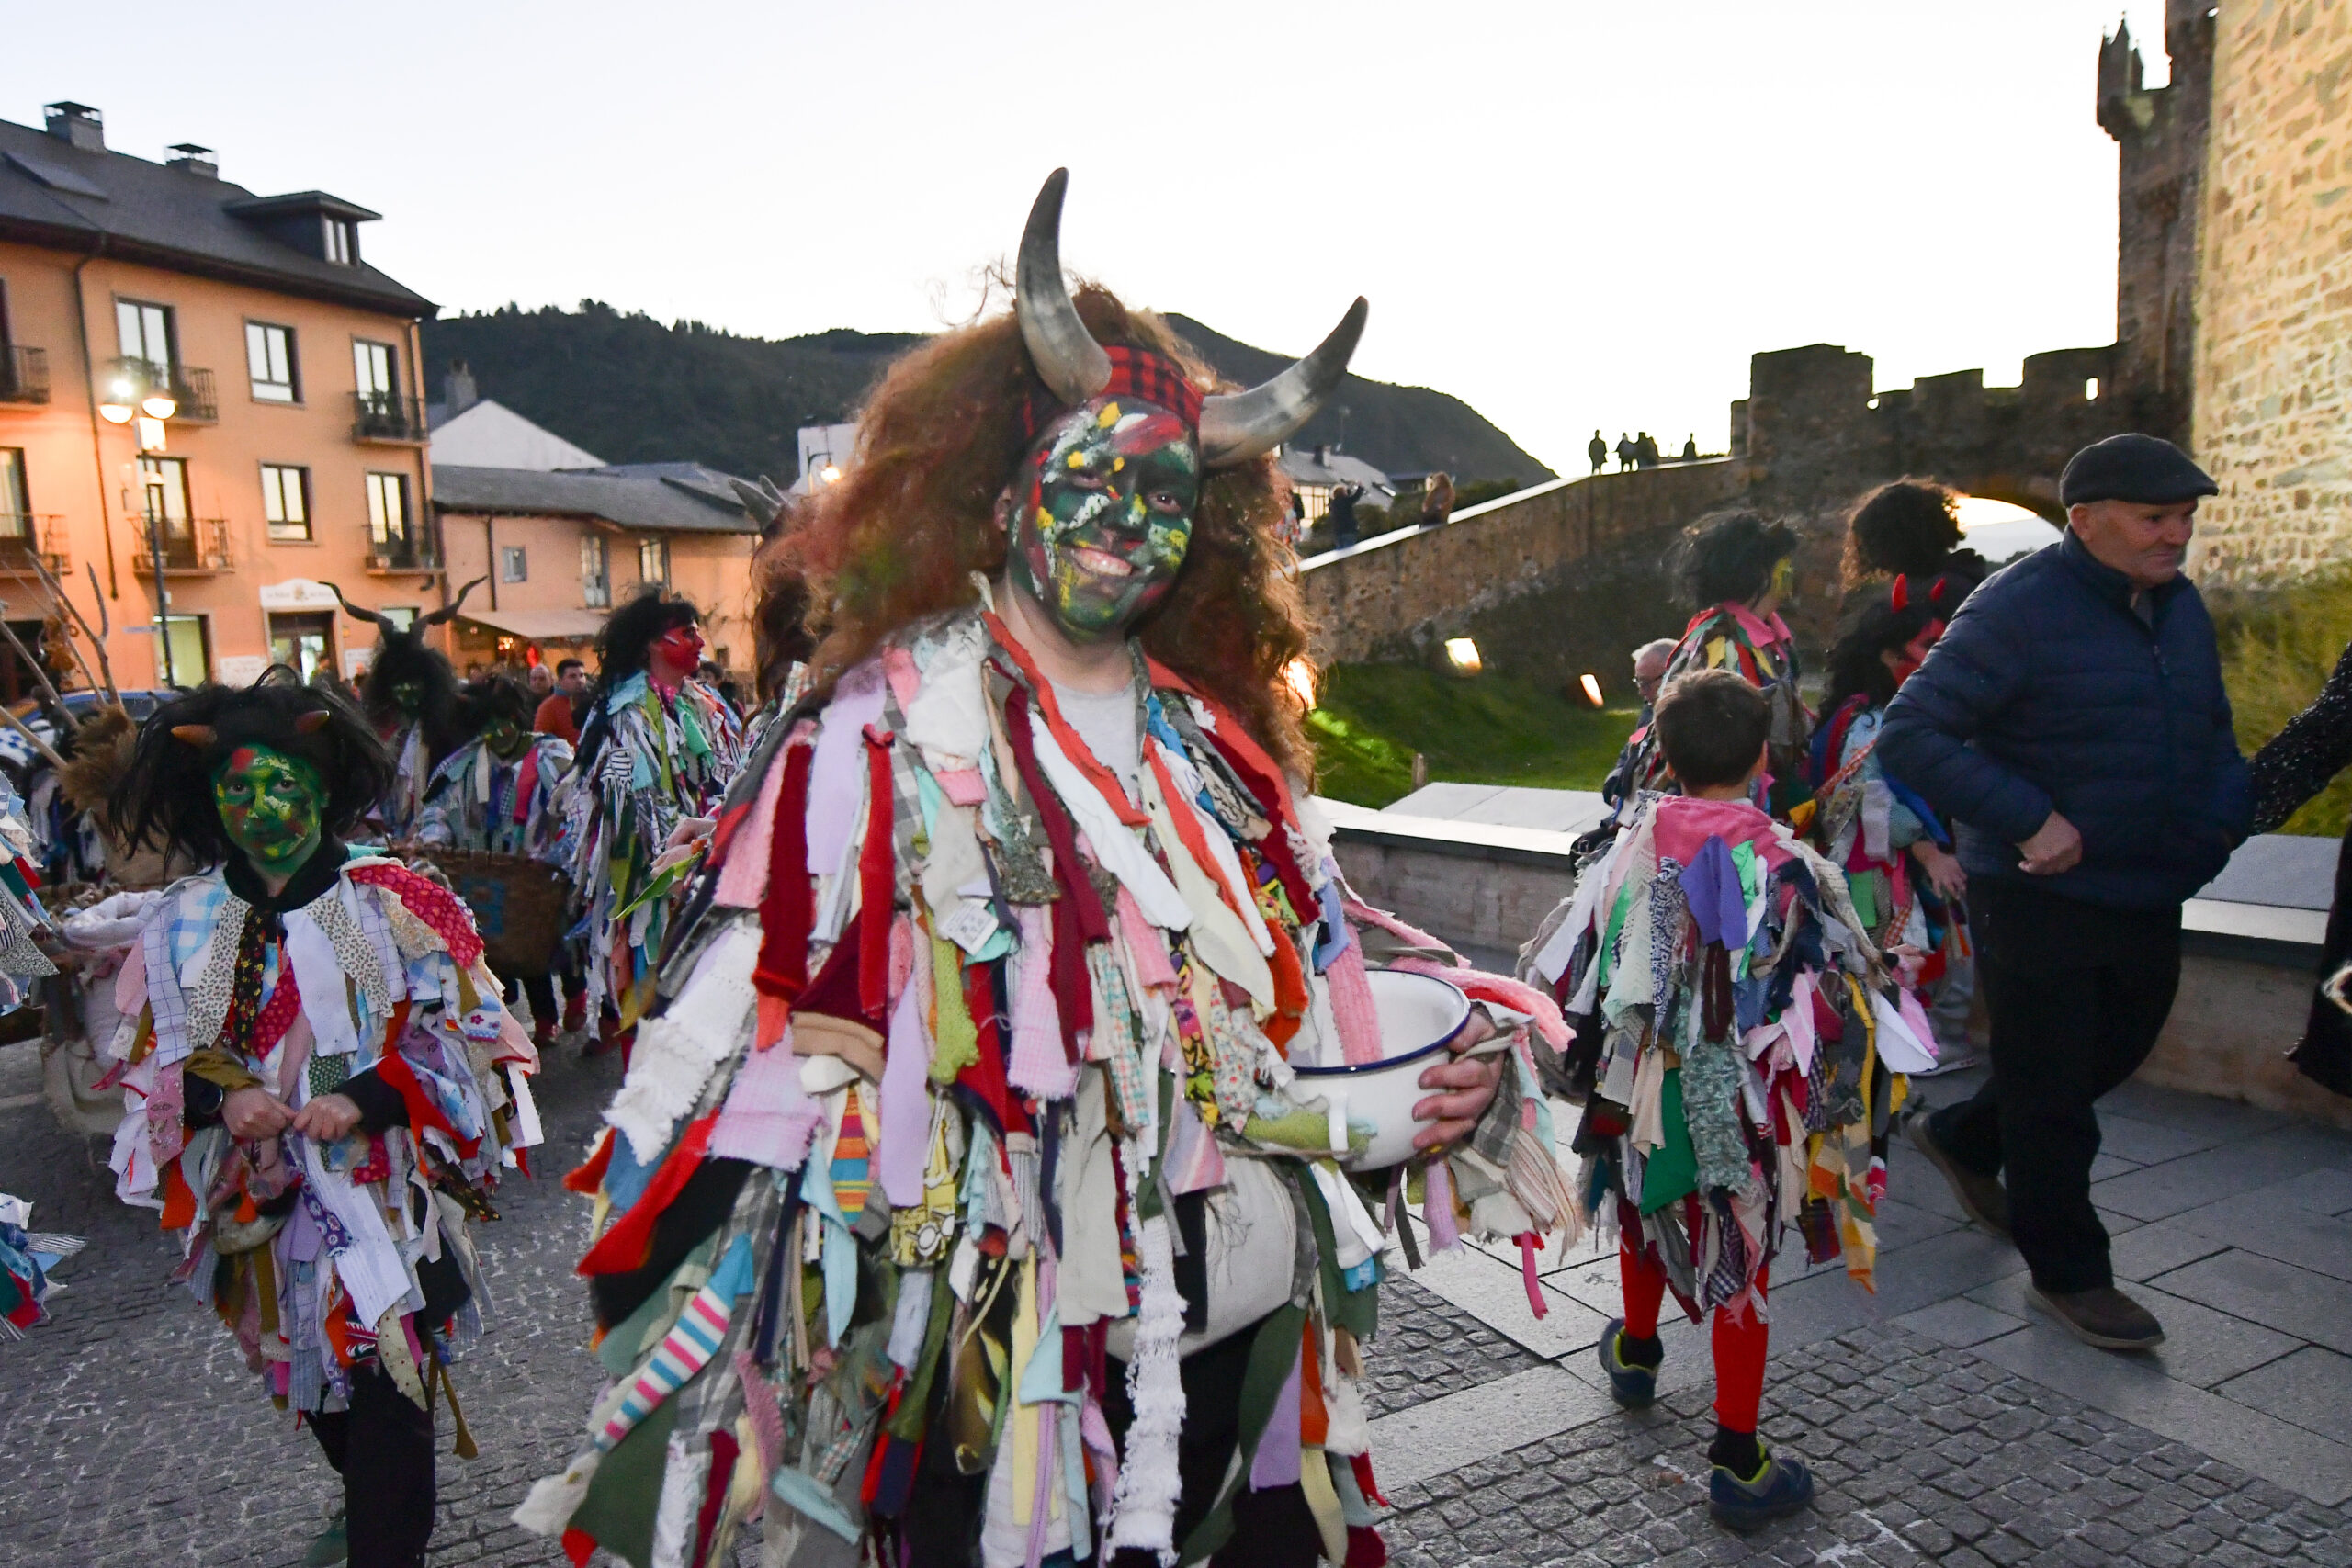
(2143, 469)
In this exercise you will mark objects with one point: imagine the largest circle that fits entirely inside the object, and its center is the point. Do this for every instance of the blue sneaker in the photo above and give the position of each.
(1780, 1487)
(1633, 1387)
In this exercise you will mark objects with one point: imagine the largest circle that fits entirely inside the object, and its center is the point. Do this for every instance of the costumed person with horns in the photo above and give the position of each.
(497, 795)
(322, 1088)
(977, 1196)
(656, 755)
(411, 696)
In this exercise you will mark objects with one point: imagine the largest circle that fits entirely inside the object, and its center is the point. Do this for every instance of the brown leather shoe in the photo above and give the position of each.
(2105, 1318)
(1981, 1198)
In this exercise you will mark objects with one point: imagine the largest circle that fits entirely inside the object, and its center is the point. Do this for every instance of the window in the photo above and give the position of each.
(595, 572)
(514, 564)
(146, 333)
(269, 360)
(653, 561)
(184, 656)
(343, 241)
(16, 511)
(372, 365)
(388, 510)
(166, 525)
(285, 502)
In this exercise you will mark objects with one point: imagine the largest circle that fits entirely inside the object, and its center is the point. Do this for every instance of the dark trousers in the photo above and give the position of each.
(541, 991)
(382, 1447)
(2078, 995)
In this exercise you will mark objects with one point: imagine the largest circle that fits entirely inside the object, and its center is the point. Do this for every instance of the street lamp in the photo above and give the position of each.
(119, 400)
(132, 390)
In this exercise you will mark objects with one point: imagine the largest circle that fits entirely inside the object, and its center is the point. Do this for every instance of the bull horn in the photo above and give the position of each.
(1067, 356)
(198, 735)
(437, 617)
(312, 722)
(1243, 425)
(383, 623)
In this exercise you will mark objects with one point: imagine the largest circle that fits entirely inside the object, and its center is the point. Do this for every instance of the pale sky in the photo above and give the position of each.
(1568, 213)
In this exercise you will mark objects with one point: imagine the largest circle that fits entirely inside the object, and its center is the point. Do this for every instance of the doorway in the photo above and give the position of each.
(303, 641)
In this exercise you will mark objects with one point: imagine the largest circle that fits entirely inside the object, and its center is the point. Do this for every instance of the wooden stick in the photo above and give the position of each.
(34, 665)
(66, 614)
(57, 591)
(43, 747)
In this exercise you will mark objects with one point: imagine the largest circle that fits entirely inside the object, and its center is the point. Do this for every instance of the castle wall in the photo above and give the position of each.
(2274, 360)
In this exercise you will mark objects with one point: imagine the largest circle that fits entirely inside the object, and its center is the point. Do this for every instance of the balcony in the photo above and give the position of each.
(27, 536)
(128, 382)
(24, 375)
(402, 552)
(388, 417)
(190, 545)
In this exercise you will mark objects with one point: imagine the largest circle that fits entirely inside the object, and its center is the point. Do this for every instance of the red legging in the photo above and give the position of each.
(1740, 1341)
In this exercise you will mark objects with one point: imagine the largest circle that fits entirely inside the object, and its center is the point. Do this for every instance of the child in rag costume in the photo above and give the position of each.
(1906, 884)
(411, 696)
(1738, 1055)
(322, 1088)
(656, 755)
(1736, 570)
(970, 1200)
(25, 1257)
(498, 794)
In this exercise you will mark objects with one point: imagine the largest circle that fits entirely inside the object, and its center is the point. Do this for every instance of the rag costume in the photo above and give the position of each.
(1738, 1052)
(970, 1200)
(1761, 651)
(25, 1257)
(665, 755)
(411, 695)
(345, 1270)
(479, 800)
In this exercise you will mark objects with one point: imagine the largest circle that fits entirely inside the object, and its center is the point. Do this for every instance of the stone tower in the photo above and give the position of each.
(2160, 134)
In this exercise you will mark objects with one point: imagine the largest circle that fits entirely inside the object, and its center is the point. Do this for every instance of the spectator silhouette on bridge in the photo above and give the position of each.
(1437, 499)
(1598, 450)
(1691, 447)
(1344, 497)
(1645, 450)
(1626, 453)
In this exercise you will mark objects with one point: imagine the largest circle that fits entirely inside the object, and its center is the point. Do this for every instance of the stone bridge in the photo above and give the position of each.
(1566, 576)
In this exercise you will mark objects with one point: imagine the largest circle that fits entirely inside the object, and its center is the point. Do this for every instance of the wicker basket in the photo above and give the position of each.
(522, 908)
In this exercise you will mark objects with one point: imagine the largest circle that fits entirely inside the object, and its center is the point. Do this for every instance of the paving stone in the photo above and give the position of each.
(2271, 1221)
(2201, 1179)
(2313, 1388)
(1960, 1322)
(2201, 1347)
(2262, 1290)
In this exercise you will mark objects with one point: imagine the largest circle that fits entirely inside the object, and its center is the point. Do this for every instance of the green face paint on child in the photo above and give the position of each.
(270, 806)
(1103, 515)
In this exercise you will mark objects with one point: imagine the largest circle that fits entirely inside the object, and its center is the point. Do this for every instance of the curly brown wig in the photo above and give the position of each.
(1906, 528)
(914, 516)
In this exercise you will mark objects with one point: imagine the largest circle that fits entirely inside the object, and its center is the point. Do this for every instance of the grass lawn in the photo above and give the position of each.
(1488, 729)
(2278, 646)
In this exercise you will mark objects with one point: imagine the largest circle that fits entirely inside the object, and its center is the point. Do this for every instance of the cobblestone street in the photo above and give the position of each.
(1945, 1427)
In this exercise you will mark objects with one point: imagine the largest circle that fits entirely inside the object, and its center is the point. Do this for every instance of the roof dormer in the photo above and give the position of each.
(311, 222)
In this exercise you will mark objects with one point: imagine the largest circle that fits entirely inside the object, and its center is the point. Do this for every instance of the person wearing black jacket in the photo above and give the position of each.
(2293, 766)
(2072, 720)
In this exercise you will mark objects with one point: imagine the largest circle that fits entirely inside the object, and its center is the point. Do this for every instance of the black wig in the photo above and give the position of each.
(1728, 556)
(495, 696)
(165, 799)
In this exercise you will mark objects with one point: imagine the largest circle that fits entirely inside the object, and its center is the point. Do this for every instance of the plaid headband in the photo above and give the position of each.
(1134, 373)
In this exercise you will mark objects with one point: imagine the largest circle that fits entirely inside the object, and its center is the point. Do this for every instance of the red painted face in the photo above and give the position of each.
(1906, 663)
(679, 650)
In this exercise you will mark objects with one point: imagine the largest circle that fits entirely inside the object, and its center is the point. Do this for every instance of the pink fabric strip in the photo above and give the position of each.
(296, 1057)
(1365, 915)
(1352, 1008)
(766, 1119)
(1436, 1207)
(743, 880)
(1144, 945)
(837, 774)
(1526, 1240)
(906, 1104)
(1276, 1461)
(1481, 987)
(131, 981)
(906, 681)
(1038, 1064)
(1760, 632)
(962, 786)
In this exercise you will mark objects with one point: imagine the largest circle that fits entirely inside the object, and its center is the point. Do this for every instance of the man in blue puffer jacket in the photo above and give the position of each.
(2072, 719)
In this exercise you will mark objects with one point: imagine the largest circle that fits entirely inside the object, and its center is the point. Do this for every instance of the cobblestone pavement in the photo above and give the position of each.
(130, 1433)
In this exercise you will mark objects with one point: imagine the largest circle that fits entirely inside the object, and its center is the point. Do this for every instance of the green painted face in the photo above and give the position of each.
(1103, 515)
(504, 738)
(270, 806)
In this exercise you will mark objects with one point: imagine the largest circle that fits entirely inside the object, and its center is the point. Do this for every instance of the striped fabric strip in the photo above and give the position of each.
(682, 1353)
(852, 1168)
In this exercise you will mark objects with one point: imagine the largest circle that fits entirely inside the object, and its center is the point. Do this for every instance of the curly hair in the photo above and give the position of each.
(1906, 528)
(913, 517)
(165, 799)
(779, 617)
(1871, 629)
(1729, 555)
(402, 657)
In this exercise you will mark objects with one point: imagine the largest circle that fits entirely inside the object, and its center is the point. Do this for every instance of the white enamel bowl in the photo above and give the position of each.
(1419, 1017)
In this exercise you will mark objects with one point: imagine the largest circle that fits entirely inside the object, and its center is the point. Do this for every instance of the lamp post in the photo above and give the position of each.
(140, 390)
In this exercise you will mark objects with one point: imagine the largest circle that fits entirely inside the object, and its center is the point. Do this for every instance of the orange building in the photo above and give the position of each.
(290, 448)
(560, 548)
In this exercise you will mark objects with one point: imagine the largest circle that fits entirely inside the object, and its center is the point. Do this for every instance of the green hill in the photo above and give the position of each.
(633, 389)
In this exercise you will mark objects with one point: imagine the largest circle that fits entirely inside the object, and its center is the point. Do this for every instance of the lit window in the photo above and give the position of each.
(145, 332)
(514, 564)
(269, 361)
(388, 508)
(2090, 390)
(343, 244)
(595, 572)
(285, 503)
(653, 561)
